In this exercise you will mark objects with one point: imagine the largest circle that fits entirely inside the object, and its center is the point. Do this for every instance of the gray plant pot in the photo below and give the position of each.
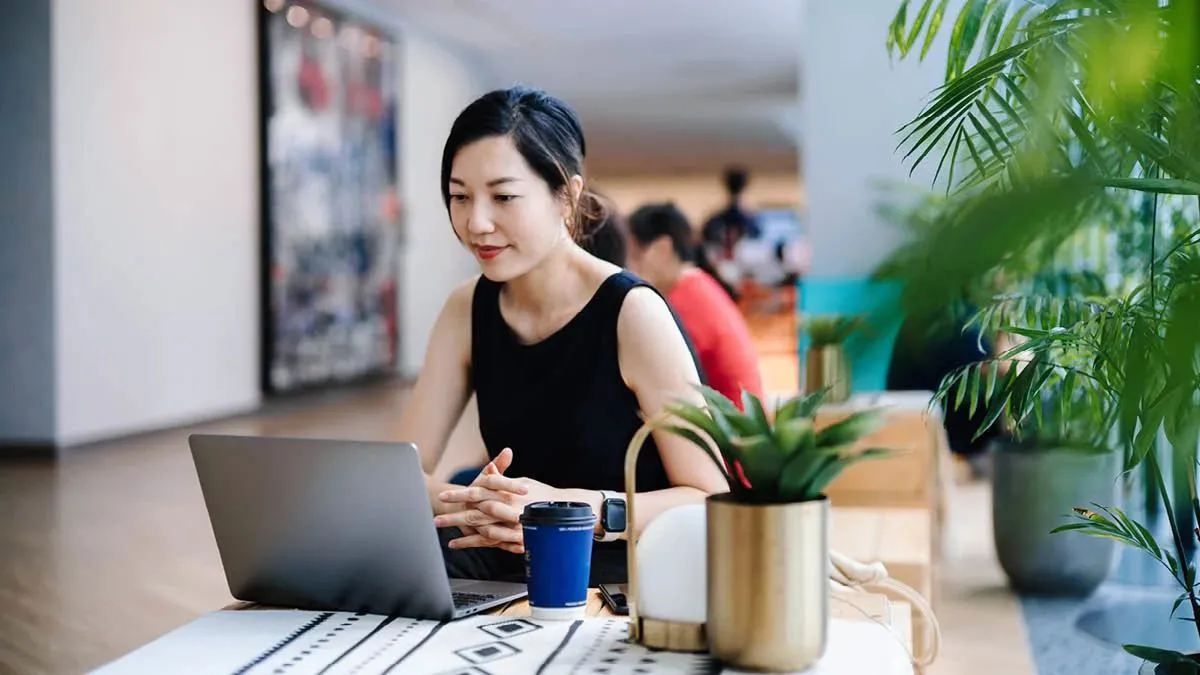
(1033, 491)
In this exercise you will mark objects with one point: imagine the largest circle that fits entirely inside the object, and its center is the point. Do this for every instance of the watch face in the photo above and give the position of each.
(614, 515)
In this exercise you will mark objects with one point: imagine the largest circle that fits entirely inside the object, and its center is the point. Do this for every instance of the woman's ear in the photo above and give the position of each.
(574, 190)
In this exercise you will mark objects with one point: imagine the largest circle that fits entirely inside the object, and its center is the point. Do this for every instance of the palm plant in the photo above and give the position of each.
(779, 459)
(1056, 115)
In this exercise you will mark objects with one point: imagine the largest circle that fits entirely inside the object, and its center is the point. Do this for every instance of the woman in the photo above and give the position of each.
(565, 352)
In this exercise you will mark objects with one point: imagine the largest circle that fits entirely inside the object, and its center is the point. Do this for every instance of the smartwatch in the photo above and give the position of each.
(612, 516)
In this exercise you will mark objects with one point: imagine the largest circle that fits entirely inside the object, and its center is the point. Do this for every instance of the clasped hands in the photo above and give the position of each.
(488, 511)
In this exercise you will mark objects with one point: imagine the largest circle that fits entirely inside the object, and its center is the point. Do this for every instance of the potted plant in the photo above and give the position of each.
(825, 364)
(1057, 456)
(1050, 112)
(768, 542)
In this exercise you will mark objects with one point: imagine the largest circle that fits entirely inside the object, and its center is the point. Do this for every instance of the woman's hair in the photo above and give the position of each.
(547, 133)
(607, 240)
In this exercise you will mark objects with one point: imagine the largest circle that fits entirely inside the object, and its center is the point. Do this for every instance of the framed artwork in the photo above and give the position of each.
(331, 211)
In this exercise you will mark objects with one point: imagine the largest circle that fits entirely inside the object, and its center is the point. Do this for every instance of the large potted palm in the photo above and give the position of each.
(1049, 113)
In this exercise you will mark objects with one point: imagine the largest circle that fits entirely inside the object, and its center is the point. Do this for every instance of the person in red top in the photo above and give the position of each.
(661, 250)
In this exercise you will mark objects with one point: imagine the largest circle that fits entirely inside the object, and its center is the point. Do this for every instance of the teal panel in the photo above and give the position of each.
(870, 351)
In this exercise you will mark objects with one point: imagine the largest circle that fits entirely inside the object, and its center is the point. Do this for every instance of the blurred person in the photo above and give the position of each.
(926, 351)
(565, 353)
(661, 251)
(732, 224)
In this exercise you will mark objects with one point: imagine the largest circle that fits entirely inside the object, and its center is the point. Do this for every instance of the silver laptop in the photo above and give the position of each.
(331, 525)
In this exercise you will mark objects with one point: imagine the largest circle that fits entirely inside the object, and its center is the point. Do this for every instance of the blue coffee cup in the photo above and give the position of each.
(558, 558)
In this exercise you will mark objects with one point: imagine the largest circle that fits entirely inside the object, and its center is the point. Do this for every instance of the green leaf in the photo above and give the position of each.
(973, 391)
(701, 419)
(851, 428)
(835, 466)
(1155, 655)
(697, 440)
(917, 24)
(962, 39)
(761, 462)
(996, 10)
(895, 34)
(1014, 25)
(754, 409)
(935, 23)
(804, 405)
(795, 435)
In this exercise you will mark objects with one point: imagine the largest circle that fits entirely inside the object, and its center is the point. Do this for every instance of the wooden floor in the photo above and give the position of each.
(110, 547)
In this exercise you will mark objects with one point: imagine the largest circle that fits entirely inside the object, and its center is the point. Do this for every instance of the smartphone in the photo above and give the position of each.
(614, 596)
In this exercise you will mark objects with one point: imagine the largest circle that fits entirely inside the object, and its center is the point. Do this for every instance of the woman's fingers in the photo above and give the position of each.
(503, 533)
(510, 539)
(503, 460)
(471, 494)
(498, 482)
(499, 510)
(468, 518)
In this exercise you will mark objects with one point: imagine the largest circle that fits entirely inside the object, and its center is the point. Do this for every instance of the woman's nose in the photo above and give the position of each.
(480, 220)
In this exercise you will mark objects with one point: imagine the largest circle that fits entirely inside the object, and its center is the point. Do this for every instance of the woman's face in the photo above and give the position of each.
(502, 211)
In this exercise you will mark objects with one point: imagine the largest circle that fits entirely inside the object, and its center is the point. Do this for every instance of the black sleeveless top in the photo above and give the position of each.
(561, 403)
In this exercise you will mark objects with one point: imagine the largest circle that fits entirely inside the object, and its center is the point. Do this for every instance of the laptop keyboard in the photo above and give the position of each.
(462, 599)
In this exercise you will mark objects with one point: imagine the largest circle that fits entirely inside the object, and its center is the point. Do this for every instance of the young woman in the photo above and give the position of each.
(565, 352)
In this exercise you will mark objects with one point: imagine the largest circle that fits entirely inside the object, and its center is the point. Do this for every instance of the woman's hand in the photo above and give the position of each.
(492, 508)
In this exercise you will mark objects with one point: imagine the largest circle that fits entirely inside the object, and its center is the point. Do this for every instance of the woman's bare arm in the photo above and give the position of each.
(658, 368)
(442, 388)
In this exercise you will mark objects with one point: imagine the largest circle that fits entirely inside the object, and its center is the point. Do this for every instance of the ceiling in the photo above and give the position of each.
(661, 85)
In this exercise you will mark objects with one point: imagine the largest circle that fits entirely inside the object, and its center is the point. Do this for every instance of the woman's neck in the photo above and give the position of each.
(557, 282)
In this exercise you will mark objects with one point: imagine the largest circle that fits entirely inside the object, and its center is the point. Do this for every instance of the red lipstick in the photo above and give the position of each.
(489, 252)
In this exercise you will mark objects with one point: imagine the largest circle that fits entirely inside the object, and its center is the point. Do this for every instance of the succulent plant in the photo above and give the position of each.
(831, 329)
(777, 459)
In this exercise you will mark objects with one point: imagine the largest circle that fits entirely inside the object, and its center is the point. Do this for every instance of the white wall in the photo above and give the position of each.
(436, 86)
(156, 199)
(853, 99)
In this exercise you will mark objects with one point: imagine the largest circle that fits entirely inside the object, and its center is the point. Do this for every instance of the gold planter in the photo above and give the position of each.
(768, 584)
(826, 366)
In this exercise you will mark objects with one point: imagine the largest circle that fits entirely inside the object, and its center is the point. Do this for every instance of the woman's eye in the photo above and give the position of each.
(505, 198)
(458, 198)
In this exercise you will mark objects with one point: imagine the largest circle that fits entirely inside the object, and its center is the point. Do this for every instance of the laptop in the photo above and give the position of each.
(331, 525)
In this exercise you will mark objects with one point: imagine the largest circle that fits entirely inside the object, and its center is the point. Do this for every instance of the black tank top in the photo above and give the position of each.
(561, 403)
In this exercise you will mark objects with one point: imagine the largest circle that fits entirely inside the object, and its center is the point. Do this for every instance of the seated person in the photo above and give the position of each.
(565, 353)
(661, 246)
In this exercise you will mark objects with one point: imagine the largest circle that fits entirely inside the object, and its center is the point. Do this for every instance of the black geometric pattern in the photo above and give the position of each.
(466, 671)
(509, 628)
(490, 651)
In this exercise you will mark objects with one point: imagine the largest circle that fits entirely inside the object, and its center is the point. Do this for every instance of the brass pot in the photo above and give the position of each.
(826, 366)
(768, 583)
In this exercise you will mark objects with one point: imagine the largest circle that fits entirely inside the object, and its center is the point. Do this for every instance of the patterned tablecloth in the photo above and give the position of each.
(294, 642)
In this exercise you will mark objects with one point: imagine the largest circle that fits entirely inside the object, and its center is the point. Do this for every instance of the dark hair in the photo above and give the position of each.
(607, 241)
(652, 221)
(736, 179)
(547, 133)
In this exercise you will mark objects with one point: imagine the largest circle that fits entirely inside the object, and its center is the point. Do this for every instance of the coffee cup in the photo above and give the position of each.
(558, 558)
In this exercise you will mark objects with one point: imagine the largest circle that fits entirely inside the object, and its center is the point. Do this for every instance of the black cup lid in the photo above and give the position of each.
(539, 513)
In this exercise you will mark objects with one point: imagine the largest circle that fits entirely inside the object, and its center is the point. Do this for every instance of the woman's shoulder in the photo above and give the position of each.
(644, 312)
(461, 300)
